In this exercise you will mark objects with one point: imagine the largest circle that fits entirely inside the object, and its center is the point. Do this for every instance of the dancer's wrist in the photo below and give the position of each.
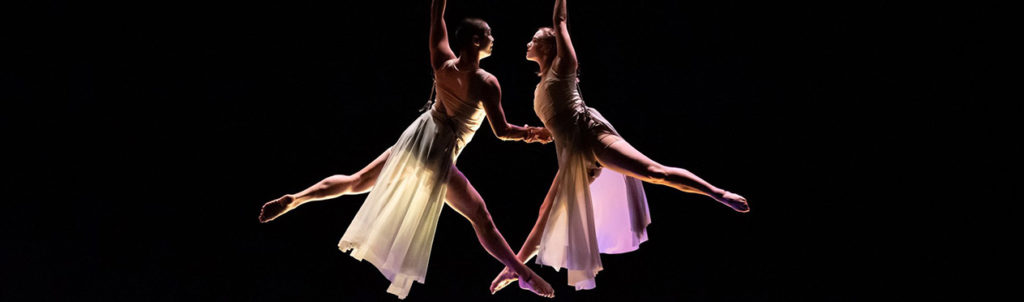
(527, 132)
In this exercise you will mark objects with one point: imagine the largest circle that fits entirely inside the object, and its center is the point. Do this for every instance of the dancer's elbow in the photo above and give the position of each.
(558, 19)
(543, 210)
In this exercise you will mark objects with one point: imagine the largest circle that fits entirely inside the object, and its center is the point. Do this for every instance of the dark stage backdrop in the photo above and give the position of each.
(144, 136)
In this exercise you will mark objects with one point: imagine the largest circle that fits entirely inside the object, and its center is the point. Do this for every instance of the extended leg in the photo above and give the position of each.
(622, 157)
(330, 187)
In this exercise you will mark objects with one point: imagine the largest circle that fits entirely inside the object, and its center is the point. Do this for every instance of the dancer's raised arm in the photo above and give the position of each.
(496, 116)
(440, 51)
(565, 61)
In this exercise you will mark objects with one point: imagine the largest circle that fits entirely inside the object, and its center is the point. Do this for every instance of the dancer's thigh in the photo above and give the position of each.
(371, 171)
(463, 198)
(617, 154)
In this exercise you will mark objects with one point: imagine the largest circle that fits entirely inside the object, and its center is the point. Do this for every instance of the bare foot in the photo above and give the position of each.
(504, 278)
(734, 201)
(274, 208)
(535, 284)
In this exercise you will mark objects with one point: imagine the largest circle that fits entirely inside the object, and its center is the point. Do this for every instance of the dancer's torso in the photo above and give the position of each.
(557, 103)
(458, 99)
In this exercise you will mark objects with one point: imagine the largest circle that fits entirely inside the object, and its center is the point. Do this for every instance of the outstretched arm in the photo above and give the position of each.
(496, 116)
(440, 51)
(565, 61)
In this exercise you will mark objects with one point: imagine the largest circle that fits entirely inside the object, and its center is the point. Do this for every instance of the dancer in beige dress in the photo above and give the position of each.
(394, 228)
(588, 211)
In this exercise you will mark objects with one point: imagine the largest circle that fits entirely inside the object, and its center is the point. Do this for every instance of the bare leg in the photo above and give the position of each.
(330, 187)
(464, 199)
(532, 244)
(623, 158)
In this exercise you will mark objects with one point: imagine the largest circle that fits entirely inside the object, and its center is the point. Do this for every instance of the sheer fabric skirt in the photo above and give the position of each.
(608, 215)
(394, 228)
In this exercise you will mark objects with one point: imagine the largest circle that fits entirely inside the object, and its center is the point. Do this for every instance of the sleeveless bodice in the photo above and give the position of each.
(556, 95)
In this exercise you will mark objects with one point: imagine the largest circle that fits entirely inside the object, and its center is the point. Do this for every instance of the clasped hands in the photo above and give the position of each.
(537, 135)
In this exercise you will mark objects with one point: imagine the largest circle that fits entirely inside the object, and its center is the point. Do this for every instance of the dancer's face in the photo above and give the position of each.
(533, 49)
(486, 43)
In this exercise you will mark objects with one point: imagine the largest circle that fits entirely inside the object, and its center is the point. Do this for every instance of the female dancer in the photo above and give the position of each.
(394, 228)
(587, 212)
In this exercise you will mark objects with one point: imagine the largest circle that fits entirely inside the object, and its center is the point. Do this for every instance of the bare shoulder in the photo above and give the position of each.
(489, 88)
(448, 65)
(486, 78)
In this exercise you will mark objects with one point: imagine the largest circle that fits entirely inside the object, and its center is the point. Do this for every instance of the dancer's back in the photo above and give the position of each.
(459, 94)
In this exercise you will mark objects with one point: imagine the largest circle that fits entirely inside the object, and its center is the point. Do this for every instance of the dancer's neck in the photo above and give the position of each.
(544, 64)
(468, 61)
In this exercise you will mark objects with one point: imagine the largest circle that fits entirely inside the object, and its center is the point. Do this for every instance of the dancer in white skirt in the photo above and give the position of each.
(587, 211)
(394, 228)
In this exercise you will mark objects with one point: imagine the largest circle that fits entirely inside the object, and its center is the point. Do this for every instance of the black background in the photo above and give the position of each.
(143, 138)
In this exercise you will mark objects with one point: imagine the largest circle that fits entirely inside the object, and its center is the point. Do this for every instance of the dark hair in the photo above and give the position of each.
(467, 29)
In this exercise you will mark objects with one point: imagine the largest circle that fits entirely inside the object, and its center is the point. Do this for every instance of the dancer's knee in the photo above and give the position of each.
(544, 210)
(346, 183)
(335, 180)
(362, 182)
(481, 218)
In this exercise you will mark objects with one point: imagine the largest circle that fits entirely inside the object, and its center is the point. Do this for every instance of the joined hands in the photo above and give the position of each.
(537, 135)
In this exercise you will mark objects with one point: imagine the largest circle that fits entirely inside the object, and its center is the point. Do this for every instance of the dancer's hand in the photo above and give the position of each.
(541, 135)
(529, 138)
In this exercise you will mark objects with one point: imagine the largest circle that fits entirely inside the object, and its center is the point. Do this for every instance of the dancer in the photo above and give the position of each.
(587, 212)
(394, 228)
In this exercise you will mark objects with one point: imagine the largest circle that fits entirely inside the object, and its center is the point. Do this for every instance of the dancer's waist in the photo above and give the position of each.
(460, 126)
(553, 114)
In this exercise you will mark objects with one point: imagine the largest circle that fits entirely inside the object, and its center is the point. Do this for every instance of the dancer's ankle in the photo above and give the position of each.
(520, 270)
(717, 193)
(289, 201)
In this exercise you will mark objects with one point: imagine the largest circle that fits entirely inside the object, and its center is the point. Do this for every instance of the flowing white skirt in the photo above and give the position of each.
(394, 228)
(607, 216)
